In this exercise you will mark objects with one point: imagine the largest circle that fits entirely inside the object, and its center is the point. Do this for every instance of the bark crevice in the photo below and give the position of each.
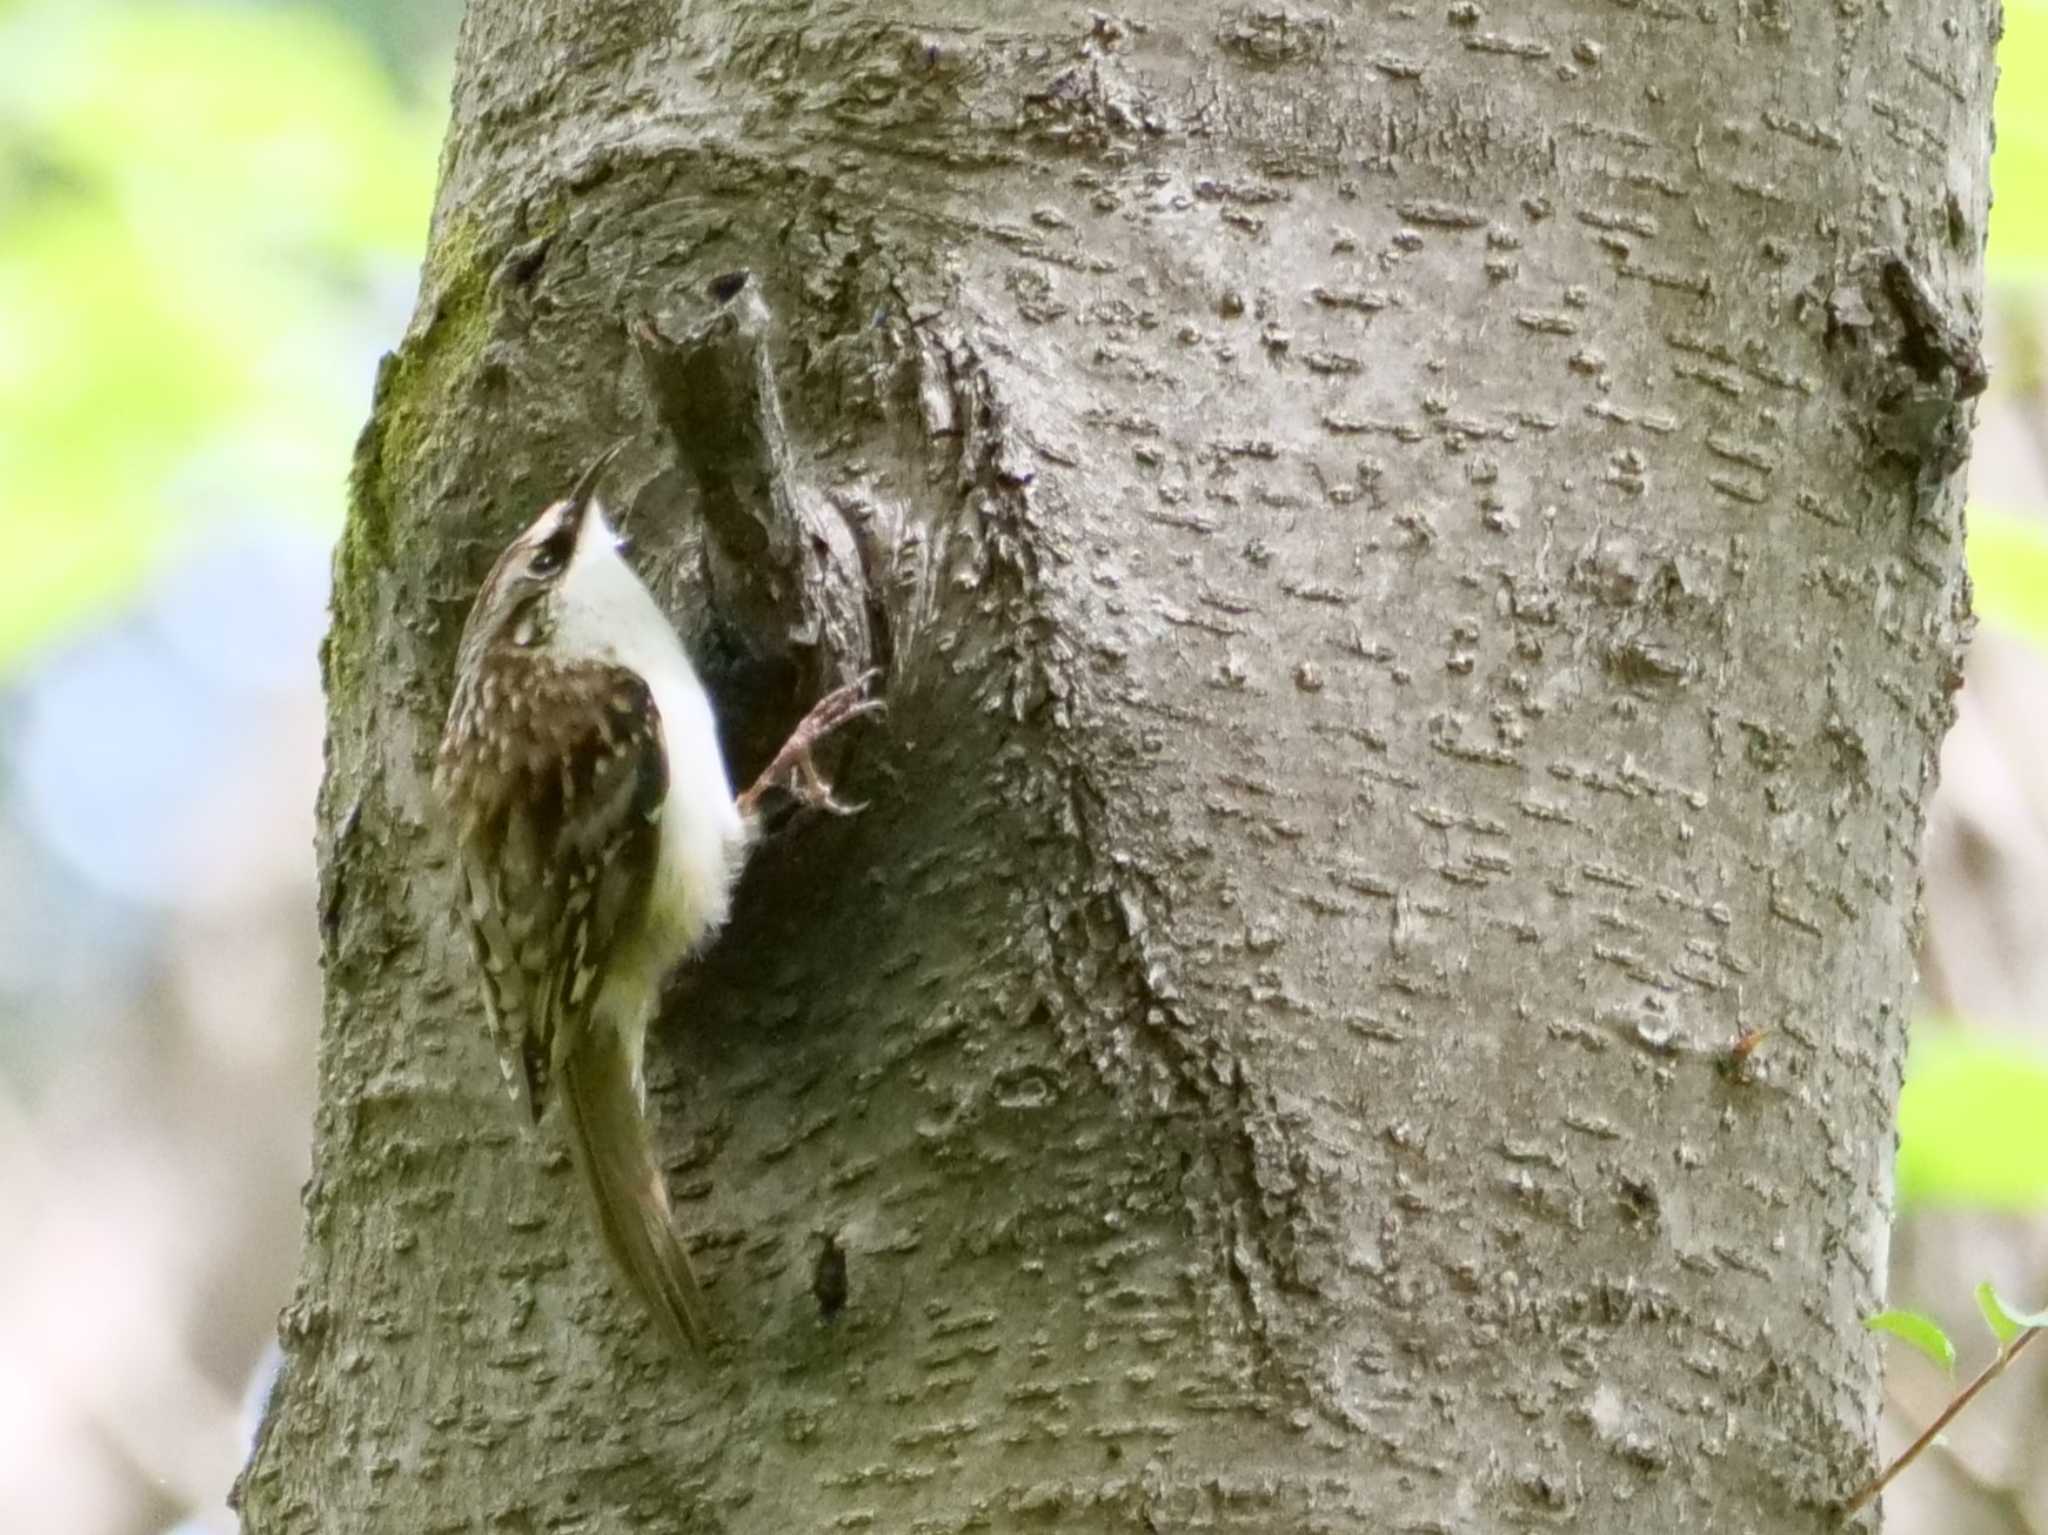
(784, 565)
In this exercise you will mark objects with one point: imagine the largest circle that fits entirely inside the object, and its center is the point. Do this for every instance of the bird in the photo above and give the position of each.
(598, 840)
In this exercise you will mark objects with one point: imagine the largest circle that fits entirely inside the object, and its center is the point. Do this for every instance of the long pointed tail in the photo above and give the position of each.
(608, 1133)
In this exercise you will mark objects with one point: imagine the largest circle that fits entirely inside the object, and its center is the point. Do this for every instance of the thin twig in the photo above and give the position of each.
(1957, 1403)
(2007, 1499)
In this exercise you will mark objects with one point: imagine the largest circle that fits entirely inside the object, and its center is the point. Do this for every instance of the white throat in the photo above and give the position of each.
(604, 613)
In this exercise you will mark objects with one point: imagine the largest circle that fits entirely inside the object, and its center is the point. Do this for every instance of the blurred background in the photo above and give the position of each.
(210, 220)
(211, 216)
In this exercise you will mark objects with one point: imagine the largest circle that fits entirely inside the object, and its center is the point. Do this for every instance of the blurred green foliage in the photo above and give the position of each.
(2018, 247)
(1923, 1332)
(2005, 1320)
(1973, 1116)
(198, 204)
(1973, 1119)
(2009, 568)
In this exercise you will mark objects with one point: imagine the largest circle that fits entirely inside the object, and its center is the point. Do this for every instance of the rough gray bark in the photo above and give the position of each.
(1417, 556)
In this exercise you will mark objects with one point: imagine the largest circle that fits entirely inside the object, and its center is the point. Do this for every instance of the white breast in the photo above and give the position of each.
(605, 613)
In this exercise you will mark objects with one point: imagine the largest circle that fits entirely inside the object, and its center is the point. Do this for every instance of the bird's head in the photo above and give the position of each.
(563, 554)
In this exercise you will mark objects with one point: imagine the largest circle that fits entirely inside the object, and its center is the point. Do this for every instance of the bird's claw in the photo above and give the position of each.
(813, 789)
(793, 765)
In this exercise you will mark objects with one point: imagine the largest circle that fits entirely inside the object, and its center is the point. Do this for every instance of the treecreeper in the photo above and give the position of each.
(598, 840)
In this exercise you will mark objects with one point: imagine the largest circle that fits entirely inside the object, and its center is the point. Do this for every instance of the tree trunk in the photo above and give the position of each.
(1416, 555)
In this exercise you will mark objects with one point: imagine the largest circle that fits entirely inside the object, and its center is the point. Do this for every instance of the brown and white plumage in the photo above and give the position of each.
(598, 839)
(566, 812)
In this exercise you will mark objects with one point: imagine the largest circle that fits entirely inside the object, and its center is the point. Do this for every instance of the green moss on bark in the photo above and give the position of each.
(414, 388)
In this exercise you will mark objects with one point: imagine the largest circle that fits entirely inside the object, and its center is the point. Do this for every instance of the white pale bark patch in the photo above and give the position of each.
(1416, 553)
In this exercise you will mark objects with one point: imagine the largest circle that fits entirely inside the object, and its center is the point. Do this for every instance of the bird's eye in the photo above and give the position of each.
(552, 555)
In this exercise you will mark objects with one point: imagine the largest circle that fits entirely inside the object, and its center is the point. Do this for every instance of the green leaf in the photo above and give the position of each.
(199, 206)
(1923, 1332)
(2006, 1323)
(1973, 1121)
(2009, 569)
(2018, 246)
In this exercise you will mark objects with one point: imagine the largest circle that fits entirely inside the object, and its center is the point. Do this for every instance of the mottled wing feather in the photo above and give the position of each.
(555, 777)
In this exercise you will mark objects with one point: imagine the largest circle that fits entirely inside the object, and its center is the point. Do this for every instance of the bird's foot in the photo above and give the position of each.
(794, 767)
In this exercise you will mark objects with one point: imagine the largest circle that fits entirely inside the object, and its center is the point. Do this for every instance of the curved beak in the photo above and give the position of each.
(585, 491)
